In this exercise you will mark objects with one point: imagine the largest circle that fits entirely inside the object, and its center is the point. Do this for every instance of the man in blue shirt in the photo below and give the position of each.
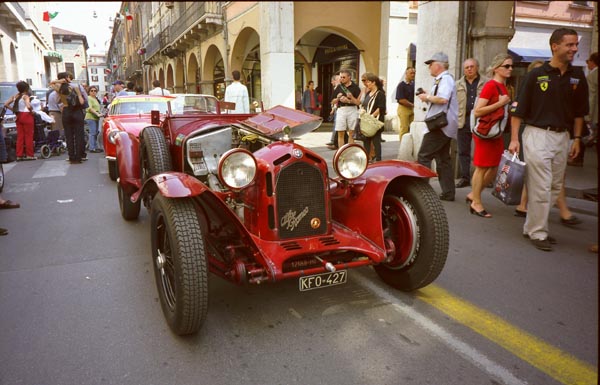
(436, 144)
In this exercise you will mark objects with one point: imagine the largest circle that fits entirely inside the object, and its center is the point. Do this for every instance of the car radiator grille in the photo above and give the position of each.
(300, 195)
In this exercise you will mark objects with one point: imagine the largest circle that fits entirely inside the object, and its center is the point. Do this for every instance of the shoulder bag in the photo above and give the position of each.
(440, 120)
(369, 125)
(492, 125)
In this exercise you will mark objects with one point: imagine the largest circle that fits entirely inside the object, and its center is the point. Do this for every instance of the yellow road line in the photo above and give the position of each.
(559, 365)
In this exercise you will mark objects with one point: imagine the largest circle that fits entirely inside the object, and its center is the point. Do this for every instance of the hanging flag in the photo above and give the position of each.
(128, 15)
(49, 15)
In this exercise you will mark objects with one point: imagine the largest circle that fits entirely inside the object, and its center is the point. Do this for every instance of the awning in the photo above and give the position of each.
(527, 55)
(53, 56)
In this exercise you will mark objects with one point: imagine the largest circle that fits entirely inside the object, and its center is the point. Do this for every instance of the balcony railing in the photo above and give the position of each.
(198, 12)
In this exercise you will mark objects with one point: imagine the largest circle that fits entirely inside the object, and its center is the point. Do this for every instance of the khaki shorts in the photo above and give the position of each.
(346, 118)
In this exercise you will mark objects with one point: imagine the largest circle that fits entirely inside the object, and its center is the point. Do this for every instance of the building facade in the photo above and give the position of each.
(26, 47)
(193, 46)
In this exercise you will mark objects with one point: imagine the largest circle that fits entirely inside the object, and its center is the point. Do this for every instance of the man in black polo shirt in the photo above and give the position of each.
(552, 102)
(405, 95)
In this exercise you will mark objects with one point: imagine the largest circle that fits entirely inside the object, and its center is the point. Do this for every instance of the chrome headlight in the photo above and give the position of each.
(112, 136)
(350, 161)
(237, 168)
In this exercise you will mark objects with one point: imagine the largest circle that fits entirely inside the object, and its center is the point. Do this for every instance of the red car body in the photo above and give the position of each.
(128, 114)
(235, 195)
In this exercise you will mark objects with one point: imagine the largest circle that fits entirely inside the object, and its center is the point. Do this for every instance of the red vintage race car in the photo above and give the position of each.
(128, 114)
(236, 196)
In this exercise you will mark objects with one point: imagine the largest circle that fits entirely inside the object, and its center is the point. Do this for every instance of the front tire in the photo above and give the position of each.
(416, 230)
(155, 154)
(179, 260)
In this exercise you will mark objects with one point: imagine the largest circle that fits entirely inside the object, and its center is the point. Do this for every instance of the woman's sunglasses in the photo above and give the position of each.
(507, 66)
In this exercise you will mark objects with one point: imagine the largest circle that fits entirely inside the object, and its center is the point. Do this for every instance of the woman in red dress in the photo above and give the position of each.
(488, 152)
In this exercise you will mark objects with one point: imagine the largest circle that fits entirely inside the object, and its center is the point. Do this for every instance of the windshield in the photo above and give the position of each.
(40, 94)
(138, 106)
(194, 104)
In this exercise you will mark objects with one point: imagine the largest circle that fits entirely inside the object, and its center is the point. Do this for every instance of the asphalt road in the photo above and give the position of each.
(78, 304)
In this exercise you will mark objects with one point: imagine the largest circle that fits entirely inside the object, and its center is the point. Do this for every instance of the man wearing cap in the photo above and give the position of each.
(119, 88)
(552, 101)
(436, 144)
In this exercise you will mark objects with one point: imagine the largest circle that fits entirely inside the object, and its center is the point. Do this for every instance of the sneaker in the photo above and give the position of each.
(542, 244)
(84, 158)
(29, 158)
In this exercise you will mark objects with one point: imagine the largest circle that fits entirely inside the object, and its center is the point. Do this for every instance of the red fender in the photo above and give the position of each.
(128, 162)
(359, 208)
(174, 184)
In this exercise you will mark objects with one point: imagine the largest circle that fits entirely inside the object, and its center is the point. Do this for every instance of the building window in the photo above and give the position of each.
(94, 71)
(95, 78)
(70, 67)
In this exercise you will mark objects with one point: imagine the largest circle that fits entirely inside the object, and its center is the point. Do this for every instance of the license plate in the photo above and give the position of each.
(318, 281)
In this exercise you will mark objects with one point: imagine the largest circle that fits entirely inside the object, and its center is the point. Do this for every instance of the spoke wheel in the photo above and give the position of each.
(179, 261)
(415, 228)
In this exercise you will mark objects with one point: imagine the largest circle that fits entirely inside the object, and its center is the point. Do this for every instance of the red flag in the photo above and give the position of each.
(49, 16)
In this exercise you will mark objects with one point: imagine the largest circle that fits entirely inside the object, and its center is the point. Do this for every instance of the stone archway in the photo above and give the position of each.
(161, 77)
(170, 78)
(213, 73)
(193, 75)
(179, 85)
(245, 57)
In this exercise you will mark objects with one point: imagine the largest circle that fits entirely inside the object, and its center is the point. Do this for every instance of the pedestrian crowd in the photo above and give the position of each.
(553, 116)
(550, 120)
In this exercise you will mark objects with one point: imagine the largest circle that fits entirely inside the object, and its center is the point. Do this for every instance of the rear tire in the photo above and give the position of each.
(180, 266)
(415, 223)
(129, 211)
(112, 169)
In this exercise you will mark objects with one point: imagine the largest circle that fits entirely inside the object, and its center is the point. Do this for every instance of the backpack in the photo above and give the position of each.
(69, 97)
(492, 125)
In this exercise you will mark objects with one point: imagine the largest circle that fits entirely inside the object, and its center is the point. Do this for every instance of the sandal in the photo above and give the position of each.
(3, 231)
(9, 205)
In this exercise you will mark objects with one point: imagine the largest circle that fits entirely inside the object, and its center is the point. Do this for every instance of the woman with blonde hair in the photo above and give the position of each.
(488, 152)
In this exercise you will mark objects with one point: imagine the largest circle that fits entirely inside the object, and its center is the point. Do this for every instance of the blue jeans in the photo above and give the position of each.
(93, 125)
